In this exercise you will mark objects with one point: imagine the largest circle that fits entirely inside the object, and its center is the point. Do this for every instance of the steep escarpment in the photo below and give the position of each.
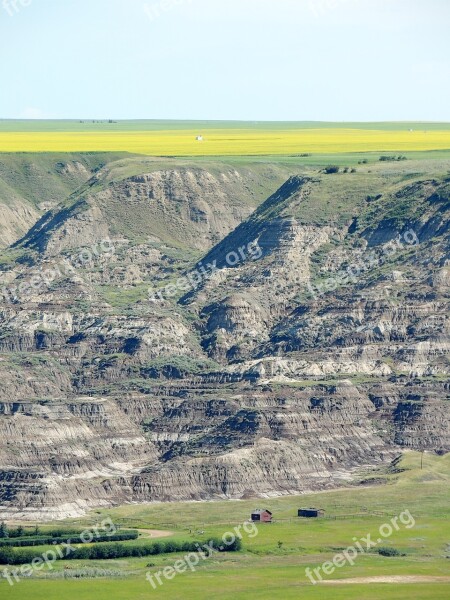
(185, 446)
(200, 442)
(166, 333)
(188, 207)
(332, 294)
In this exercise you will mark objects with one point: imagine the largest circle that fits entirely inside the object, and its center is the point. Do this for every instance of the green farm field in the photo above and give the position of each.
(86, 125)
(272, 563)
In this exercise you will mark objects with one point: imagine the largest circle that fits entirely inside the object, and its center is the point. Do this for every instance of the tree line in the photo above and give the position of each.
(52, 539)
(105, 551)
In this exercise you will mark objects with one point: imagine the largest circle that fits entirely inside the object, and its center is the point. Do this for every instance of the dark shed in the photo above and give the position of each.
(311, 513)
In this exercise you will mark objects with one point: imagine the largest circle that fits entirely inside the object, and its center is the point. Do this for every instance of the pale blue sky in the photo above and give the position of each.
(343, 60)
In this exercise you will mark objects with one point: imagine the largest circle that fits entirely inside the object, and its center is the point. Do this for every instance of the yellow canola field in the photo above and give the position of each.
(228, 142)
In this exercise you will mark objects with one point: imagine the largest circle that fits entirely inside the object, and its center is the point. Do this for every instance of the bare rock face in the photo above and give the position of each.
(15, 220)
(180, 443)
(86, 441)
(265, 442)
(317, 342)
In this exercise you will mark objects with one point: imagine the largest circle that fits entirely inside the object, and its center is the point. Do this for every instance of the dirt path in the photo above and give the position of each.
(155, 533)
(389, 579)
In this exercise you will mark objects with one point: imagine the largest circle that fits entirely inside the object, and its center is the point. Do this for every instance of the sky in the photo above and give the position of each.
(328, 60)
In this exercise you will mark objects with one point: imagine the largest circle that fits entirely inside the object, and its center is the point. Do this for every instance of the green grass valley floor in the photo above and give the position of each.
(272, 564)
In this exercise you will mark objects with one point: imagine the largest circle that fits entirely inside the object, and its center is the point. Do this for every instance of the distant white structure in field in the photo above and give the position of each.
(199, 138)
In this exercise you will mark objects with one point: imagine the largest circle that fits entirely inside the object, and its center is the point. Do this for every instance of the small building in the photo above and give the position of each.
(199, 138)
(262, 516)
(311, 513)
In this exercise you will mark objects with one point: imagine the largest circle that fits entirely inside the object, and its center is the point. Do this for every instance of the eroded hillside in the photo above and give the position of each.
(32, 184)
(181, 330)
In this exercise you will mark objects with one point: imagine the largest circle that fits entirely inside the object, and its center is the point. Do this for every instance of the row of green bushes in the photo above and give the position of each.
(9, 556)
(20, 532)
(44, 540)
(331, 169)
(392, 158)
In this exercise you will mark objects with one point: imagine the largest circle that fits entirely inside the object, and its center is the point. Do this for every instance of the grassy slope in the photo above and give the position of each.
(27, 181)
(41, 177)
(263, 570)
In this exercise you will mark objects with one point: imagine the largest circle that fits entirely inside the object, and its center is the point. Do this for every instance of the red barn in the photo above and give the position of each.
(263, 516)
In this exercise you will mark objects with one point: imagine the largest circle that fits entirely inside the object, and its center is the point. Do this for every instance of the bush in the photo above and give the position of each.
(385, 551)
(374, 198)
(7, 556)
(331, 169)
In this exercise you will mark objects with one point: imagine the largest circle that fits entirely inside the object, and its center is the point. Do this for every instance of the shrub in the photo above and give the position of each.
(331, 169)
(6, 556)
(385, 551)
